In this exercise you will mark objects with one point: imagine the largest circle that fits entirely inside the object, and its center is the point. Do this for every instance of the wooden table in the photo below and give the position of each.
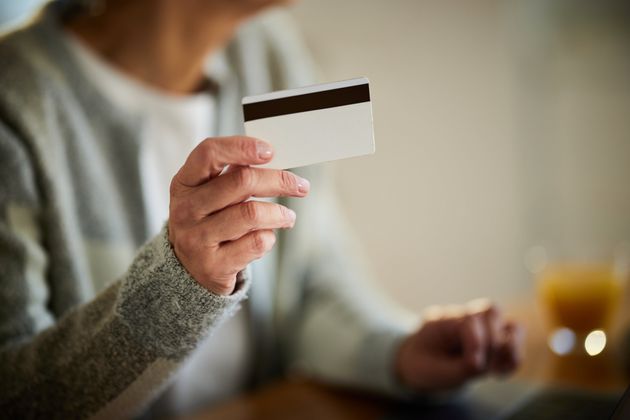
(304, 399)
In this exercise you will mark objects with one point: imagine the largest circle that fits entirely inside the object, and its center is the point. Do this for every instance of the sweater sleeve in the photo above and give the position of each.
(348, 331)
(105, 358)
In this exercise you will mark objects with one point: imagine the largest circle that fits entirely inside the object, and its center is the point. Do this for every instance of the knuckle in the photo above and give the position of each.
(284, 212)
(207, 149)
(250, 212)
(175, 215)
(209, 154)
(258, 242)
(186, 243)
(247, 147)
(174, 186)
(471, 325)
(287, 180)
(262, 241)
(481, 306)
(271, 241)
(180, 211)
(205, 237)
(245, 179)
(493, 311)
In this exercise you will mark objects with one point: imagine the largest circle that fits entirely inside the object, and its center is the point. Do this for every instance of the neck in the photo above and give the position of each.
(164, 46)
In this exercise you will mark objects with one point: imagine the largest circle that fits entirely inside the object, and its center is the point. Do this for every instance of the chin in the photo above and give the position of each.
(253, 7)
(267, 3)
(245, 8)
(260, 4)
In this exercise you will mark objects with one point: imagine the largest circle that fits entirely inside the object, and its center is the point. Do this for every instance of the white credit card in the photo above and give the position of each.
(313, 124)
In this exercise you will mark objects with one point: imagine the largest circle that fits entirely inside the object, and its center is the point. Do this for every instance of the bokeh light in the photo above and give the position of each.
(595, 342)
(562, 341)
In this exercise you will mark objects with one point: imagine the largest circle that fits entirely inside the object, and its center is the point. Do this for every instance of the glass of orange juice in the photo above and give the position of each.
(581, 297)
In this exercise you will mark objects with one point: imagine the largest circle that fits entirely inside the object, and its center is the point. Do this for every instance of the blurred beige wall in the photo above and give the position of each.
(456, 192)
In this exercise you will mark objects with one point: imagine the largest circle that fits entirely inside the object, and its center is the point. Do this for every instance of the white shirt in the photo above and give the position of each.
(171, 126)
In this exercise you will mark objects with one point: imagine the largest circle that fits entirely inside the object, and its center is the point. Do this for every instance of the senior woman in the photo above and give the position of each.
(127, 252)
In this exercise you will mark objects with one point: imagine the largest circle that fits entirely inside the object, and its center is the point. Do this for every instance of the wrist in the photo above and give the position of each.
(400, 362)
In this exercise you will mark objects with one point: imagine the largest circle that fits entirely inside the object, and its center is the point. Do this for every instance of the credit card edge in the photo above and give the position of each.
(286, 93)
(317, 163)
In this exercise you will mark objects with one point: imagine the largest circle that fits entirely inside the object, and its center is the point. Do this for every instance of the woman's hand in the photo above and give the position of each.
(214, 231)
(456, 344)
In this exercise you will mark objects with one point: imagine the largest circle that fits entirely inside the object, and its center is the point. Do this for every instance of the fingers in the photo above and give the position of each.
(213, 233)
(492, 319)
(248, 248)
(503, 340)
(474, 336)
(510, 352)
(240, 219)
(218, 270)
(209, 158)
(454, 346)
(238, 185)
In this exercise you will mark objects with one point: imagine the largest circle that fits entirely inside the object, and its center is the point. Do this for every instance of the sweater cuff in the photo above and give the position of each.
(378, 357)
(380, 362)
(166, 309)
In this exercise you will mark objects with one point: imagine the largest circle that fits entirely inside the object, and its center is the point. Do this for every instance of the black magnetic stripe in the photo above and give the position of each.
(307, 102)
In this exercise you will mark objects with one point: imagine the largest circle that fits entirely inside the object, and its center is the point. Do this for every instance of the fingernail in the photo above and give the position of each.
(303, 185)
(292, 215)
(263, 150)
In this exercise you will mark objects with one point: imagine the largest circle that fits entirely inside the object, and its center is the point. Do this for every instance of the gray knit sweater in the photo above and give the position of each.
(95, 317)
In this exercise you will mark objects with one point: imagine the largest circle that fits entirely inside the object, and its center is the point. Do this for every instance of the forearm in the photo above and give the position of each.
(340, 348)
(114, 352)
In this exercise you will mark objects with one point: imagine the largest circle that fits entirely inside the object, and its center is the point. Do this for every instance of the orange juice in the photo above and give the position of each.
(583, 297)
